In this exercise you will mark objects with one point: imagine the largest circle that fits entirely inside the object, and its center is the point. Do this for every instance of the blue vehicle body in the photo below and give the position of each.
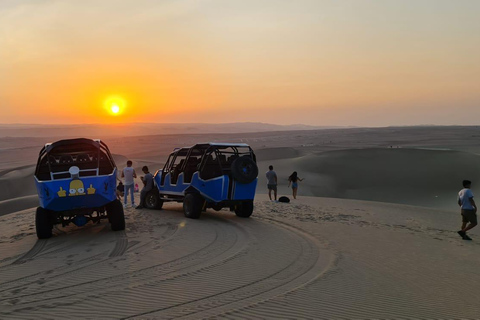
(77, 193)
(222, 174)
(213, 190)
(76, 182)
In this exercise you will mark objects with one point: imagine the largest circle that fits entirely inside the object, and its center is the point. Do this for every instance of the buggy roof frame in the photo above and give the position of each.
(97, 144)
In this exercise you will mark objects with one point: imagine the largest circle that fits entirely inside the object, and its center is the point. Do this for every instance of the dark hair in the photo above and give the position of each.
(466, 183)
(293, 177)
(270, 167)
(129, 162)
(145, 168)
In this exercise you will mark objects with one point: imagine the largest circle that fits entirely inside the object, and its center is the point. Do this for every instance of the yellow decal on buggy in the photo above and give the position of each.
(76, 189)
(91, 190)
(62, 193)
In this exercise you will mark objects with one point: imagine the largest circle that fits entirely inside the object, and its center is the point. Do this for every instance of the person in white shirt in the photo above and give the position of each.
(129, 174)
(468, 209)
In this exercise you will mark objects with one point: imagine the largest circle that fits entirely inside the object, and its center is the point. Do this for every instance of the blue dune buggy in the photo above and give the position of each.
(208, 175)
(76, 182)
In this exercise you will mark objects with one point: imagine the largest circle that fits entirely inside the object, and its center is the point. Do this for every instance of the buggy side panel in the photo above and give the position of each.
(177, 188)
(244, 191)
(157, 177)
(213, 190)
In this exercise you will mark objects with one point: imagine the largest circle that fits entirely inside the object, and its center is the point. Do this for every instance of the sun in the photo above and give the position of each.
(115, 109)
(115, 105)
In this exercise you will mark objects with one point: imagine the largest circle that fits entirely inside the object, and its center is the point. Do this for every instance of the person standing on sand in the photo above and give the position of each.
(469, 209)
(293, 180)
(129, 174)
(271, 182)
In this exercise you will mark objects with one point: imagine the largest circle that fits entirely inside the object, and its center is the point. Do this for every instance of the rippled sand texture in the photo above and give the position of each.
(312, 258)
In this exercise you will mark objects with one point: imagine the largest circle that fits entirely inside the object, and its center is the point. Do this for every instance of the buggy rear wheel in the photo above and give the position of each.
(245, 209)
(43, 223)
(193, 205)
(152, 200)
(115, 215)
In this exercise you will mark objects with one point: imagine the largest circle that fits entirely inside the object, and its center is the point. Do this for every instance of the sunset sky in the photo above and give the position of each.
(317, 62)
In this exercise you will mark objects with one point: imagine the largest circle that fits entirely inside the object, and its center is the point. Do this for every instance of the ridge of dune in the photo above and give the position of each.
(18, 204)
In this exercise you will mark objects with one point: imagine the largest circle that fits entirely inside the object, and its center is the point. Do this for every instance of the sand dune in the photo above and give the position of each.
(411, 176)
(18, 204)
(264, 154)
(313, 258)
(425, 170)
(17, 182)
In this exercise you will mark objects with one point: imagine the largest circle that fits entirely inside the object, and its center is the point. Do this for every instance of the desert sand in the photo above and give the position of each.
(371, 235)
(312, 258)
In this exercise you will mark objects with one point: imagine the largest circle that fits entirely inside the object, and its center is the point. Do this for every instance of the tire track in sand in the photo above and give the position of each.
(223, 243)
(120, 245)
(36, 249)
(210, 269)
(306, 264)
(80, 266)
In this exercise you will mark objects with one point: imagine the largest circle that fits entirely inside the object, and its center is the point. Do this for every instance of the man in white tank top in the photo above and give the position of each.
(469, 209)
(129, 174)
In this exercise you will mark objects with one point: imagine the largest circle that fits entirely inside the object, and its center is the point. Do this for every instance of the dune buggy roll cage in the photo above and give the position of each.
(92, 157)
(200, 158)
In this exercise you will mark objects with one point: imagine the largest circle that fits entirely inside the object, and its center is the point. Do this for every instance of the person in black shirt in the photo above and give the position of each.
(147, 186)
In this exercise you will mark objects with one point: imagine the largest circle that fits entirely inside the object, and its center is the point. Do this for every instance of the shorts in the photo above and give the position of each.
(272, 187)
(469, 216)
(294, 185)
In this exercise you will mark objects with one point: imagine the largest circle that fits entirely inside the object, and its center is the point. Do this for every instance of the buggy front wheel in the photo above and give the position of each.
(153, 200)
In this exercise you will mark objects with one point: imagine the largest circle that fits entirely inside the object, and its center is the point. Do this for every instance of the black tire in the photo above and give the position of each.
(193, 205)
(152, 200)
(245, 209)
(43, 223)
(244, 170)
(115, 215)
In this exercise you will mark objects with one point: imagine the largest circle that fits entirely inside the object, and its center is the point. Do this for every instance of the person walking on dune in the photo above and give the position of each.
(293, 180)
(468, 209)
(271, 182)
(129, 174)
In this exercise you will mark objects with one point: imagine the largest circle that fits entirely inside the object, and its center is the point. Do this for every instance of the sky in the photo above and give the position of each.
(315, 62)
